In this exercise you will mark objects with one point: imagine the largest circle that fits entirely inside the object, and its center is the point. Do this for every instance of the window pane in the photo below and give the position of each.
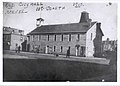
(91, 36)
(55, 38)
(62, 37)
(69, 37)
(61, 49)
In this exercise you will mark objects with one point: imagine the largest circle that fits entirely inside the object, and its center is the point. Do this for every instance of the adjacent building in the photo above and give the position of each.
(109, 45)
(83, 38)
(11, 37)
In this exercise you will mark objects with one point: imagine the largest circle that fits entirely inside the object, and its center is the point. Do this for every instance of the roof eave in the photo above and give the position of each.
(54, 33)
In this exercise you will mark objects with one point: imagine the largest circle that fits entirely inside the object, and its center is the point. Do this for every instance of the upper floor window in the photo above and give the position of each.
(62, 37)
(48, 37)
(55, 38)
(32, 37)
(69, 37)
(78, 37)
(28, 38)
(91, 36)
(20, 31)
(39, 37)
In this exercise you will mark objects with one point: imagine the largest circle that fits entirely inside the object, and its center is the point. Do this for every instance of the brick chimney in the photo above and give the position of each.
(84, 17)
(39, 22)
(98, 25)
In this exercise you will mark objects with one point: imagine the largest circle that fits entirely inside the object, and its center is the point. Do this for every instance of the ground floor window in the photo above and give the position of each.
(54, 48)
(61, 50)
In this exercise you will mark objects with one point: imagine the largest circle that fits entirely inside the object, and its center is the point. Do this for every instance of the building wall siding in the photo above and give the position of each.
(43, 43)
(89, 41)
(16, 39)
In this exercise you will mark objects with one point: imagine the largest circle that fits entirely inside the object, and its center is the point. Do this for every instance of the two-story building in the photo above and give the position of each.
(83, 38)
(11, 37)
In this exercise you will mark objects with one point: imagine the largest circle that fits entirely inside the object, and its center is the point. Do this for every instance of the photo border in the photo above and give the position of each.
(61, 83)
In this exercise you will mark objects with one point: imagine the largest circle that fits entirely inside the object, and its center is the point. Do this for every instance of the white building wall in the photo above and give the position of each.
(16, 39)
(89, 41)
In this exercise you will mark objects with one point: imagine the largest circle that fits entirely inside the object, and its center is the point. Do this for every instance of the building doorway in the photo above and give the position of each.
(77, 49)
(82, 51)
(47, 49)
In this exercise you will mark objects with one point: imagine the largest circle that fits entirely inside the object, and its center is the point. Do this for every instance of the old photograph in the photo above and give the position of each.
(59, 42)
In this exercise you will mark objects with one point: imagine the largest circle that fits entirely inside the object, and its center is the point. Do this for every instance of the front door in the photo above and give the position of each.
(82, 51)
(47, 49)
(77, 51)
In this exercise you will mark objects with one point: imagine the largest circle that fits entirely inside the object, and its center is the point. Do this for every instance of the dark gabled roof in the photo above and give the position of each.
(62, 28)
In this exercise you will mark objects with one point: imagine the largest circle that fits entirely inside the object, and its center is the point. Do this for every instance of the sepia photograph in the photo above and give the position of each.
(60, 42)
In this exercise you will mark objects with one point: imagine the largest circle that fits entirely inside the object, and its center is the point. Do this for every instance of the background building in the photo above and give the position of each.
(83, 38)
(11, 37)
(109, 45)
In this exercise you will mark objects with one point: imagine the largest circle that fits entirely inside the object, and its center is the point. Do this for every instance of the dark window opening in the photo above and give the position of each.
(91, 36)
(28, 38)
(48, 37)
(69, 37)
(55, 37)
(54, 48)
(61, 49)
(78, 37)
(39, 37)
(33, 36)
(69, 47)
(62, 37)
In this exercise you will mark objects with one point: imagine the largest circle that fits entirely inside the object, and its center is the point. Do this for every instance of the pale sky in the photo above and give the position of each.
(106, 13)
